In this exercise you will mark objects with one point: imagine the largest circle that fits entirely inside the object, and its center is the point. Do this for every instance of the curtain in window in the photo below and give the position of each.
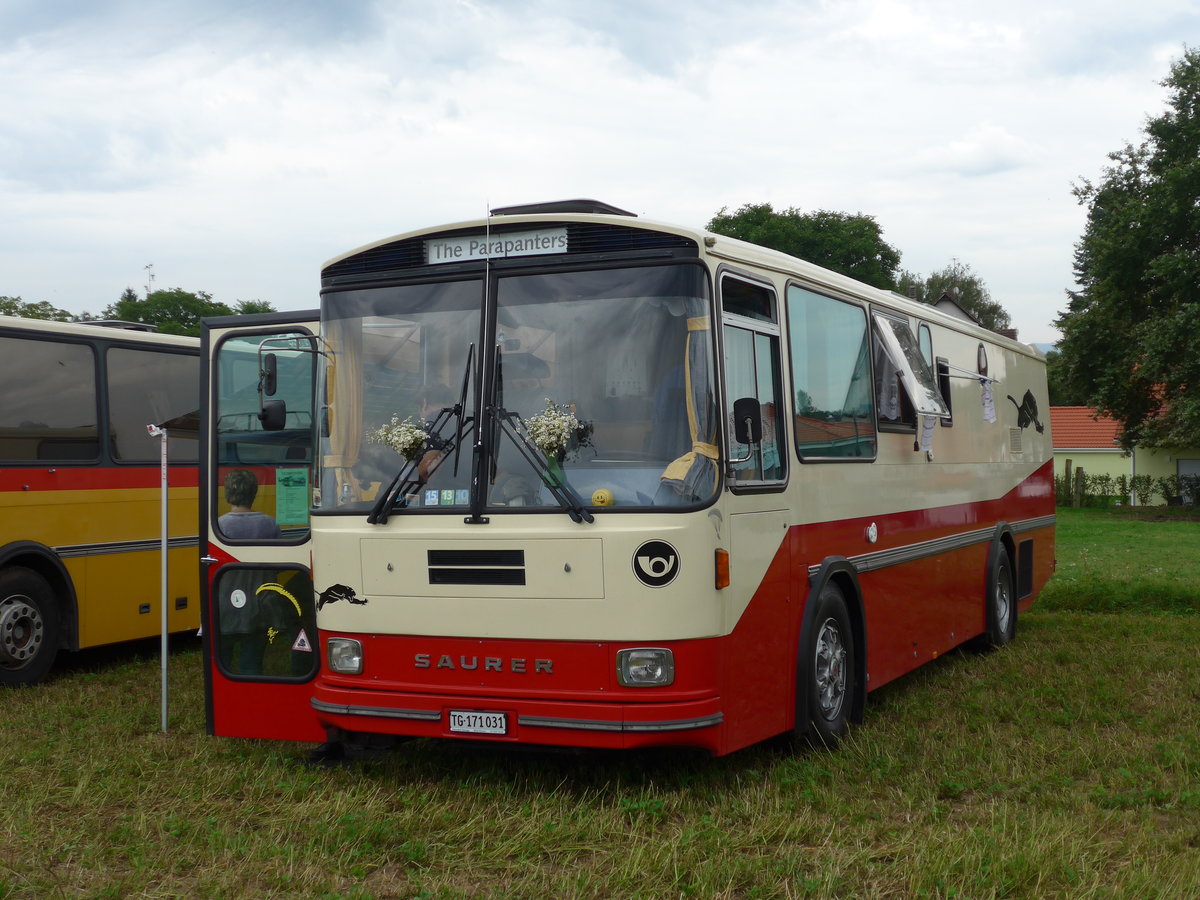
(345, 404)
(698, 466)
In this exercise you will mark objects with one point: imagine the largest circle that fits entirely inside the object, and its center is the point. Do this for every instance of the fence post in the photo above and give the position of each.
(1077, 498)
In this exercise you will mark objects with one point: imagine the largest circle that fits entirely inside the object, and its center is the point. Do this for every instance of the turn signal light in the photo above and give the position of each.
(722, 569)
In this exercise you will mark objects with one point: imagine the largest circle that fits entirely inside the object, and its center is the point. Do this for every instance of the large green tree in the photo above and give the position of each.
(177, 311)
(1131, 333)
(1063, 392)
(42, 309)
(963, 285)
(850, 244)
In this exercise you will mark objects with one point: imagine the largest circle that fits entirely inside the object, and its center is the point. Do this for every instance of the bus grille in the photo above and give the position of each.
(477, 567)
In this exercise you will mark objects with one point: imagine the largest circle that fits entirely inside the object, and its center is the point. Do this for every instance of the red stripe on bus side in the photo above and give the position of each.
(90, 478)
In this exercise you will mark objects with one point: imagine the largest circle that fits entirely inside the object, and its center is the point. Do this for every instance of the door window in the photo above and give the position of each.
(263, 480)
(266, 622)
(752, 369)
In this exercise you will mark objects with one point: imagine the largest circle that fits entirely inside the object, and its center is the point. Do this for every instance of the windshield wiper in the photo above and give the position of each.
(409, 477)
(511, 425)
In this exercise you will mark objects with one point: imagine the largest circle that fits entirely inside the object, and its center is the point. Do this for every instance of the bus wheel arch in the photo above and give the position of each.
(831, 657)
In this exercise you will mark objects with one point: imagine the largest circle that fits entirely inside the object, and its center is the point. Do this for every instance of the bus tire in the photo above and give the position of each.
(827, 671)
(28, 627)
(1000, 606)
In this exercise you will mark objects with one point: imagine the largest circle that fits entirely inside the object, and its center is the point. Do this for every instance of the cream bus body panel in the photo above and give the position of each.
(599, 599)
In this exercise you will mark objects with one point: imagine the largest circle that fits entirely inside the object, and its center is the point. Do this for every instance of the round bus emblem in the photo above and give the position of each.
(655, 563)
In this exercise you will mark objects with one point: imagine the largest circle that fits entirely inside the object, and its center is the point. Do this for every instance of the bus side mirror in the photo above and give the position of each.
(268, 374)
(272, 415)
(747, 421)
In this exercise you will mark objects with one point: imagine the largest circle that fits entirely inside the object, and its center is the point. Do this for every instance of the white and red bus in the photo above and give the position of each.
(81, 489)
(585, 480)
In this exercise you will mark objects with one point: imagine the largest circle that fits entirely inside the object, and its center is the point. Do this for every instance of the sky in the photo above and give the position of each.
(234, 147)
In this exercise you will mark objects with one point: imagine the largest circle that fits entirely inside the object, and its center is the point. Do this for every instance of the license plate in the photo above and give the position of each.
(466, 722)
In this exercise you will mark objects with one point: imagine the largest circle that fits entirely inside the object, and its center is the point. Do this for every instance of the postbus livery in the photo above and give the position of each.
(81, 489)
(566, 477)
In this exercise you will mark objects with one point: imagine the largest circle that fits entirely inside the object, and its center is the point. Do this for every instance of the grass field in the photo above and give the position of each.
(1066, 765)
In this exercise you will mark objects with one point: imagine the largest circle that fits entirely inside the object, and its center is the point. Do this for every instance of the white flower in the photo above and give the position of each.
(552, 428)
(407, 438)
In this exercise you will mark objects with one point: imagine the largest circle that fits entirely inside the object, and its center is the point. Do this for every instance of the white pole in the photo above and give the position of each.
(162, 434)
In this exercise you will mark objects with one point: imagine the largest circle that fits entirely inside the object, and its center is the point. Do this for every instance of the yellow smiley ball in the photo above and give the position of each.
(602, 497)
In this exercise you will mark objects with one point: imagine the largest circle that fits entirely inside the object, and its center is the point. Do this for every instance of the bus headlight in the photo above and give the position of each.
(345, 656)
(645, 667)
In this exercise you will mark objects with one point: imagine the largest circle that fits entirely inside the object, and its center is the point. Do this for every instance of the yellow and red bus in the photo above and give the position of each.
(80, 486)
(586, 480)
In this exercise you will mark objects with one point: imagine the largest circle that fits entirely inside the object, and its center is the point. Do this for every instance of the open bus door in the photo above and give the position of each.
(261, 649)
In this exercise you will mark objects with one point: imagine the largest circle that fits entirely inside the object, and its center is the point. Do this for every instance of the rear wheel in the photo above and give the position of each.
(1000, 606)
(28, 627)
(827, 671)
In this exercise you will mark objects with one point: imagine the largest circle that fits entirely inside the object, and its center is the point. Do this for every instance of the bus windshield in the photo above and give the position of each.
(595, 389)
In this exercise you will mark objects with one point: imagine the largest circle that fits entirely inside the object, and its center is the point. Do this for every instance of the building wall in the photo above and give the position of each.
(1155, 463)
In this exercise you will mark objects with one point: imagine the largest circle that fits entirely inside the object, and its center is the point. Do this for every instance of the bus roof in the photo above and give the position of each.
(96, 331)
(722, 247)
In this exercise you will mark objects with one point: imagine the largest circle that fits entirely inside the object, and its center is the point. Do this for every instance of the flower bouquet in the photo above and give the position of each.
(407, 438)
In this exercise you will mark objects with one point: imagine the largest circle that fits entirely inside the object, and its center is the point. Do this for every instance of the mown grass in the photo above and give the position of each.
(1066, 765)
(1141, 560)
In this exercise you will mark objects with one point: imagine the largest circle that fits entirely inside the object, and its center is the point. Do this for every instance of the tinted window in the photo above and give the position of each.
(266, 623)
(48, 410)
(150, 387)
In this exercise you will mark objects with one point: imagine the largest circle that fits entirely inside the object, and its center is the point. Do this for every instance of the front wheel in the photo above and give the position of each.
(28, 627)
(827, 671)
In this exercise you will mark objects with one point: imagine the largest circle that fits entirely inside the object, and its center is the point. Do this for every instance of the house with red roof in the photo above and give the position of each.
(1084, 440)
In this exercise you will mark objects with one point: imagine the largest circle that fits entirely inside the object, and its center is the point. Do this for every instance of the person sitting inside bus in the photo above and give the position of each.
(242, 522)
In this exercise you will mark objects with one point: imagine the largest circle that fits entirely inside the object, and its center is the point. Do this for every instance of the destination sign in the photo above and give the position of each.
(491, 246)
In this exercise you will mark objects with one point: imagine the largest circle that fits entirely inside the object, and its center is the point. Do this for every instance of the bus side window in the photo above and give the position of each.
(50, 401)
(943, 380)
(904, 384)
(831, 377)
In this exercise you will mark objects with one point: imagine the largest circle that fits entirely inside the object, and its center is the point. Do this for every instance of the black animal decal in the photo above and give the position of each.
(1027, 412)
(336, 592)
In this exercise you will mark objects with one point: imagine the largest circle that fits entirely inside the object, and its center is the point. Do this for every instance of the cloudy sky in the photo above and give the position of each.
(236, 146)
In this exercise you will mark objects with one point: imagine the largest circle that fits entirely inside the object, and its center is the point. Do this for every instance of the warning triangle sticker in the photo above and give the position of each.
(302, 642)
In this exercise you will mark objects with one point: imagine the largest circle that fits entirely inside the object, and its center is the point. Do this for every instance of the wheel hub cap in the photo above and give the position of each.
(21, 632)
(830, 670)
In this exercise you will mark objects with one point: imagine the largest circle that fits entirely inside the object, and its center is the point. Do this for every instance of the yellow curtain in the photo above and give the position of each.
(687, 469)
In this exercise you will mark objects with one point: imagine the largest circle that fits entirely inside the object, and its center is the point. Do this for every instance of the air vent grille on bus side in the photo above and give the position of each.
(581, 238)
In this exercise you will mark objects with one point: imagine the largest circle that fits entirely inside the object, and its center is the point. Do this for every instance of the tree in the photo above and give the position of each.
(1131, 334)
(15, 306)
(252, 307)
(1063, 392)
(850, 244)
(963, 285)
(177, 311)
